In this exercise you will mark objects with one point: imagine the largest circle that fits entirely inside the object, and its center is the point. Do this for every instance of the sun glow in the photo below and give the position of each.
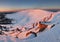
(7, 9)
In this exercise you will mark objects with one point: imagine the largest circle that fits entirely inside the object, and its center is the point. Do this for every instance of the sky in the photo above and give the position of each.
(25, 4)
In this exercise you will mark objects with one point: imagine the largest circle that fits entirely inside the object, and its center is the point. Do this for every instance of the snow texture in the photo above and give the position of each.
(25, 17)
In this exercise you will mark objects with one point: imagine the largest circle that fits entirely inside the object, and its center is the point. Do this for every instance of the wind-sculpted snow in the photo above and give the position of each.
(52, 35)
(32, 26)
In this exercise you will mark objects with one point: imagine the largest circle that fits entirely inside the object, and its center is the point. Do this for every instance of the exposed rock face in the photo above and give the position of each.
(4, 20)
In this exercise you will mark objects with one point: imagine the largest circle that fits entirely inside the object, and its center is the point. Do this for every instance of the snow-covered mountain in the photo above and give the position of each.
(30, 16)
(26, 18)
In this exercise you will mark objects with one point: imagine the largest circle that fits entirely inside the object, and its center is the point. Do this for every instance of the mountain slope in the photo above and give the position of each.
(29, 16)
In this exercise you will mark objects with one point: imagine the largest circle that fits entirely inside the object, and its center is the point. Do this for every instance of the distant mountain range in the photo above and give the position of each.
(13, 11)
(52, 10)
